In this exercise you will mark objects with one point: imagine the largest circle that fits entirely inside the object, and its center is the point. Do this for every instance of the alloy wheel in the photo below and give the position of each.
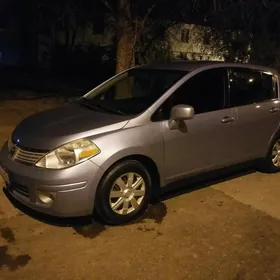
(127, 193)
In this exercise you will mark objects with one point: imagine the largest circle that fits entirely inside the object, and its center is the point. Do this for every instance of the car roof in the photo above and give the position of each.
(187, 65)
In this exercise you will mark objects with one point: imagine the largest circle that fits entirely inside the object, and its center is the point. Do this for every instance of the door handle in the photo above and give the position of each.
(274, 110)
(228, 119)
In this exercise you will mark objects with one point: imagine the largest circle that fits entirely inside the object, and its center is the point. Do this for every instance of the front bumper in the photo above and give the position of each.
(73, 189)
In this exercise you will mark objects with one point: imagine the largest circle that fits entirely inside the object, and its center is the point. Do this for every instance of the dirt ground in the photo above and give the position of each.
(226, 231)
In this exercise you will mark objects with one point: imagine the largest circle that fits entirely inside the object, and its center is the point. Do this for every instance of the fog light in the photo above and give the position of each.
(46, 197)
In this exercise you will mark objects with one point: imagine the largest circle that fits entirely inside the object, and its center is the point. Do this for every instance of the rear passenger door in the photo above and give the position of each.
(254, 94)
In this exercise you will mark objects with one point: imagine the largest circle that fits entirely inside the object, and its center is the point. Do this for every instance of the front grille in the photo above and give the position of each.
(21, 189)
(26, 156)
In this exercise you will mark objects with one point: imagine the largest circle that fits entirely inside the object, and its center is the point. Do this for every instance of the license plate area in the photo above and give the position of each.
(4, 174)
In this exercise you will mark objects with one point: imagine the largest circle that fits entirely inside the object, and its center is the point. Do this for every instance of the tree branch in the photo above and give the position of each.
(108, 6)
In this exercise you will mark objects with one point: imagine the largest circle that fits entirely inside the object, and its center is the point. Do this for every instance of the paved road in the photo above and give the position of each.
(227, 231)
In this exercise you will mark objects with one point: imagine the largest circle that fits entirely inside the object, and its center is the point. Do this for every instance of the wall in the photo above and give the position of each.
(195, 48)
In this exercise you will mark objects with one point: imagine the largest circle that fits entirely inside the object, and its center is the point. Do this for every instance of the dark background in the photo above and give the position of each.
(243, 30)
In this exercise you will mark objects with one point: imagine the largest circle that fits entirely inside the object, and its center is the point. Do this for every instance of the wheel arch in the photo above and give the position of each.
(274, 135)
(147, 162)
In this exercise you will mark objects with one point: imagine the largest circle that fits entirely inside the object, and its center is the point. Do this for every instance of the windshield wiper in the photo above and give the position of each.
(103, 108)
(90, 105)
(110, 109)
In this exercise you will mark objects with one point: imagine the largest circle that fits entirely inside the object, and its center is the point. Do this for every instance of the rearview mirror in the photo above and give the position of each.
(180, 113)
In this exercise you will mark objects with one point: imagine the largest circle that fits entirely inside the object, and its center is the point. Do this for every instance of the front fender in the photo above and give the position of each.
(146, 140)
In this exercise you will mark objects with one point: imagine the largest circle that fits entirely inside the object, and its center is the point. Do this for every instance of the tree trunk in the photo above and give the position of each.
(125, 38)
(73, 40)
(67, 38)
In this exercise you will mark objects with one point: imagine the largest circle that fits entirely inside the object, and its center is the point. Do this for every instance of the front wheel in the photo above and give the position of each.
(124, 193)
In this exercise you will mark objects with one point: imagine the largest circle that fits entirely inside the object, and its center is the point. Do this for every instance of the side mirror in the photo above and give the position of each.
(180, 113)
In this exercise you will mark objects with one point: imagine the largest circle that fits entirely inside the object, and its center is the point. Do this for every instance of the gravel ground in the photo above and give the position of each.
(227, 231)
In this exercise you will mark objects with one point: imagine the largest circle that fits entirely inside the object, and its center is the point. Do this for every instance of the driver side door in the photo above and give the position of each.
(203, 143)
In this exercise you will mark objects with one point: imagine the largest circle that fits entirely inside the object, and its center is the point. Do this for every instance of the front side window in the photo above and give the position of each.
(133, 91)
(205, 92)
(250, 86)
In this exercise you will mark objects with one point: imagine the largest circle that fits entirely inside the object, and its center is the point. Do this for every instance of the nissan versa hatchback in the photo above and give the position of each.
(108, 151)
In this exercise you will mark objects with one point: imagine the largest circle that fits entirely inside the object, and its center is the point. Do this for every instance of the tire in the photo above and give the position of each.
(271, 163)
(116, 196)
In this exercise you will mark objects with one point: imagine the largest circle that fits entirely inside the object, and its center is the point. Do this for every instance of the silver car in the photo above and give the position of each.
(110, 150)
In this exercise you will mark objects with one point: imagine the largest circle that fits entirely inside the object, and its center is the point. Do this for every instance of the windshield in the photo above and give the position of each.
(133, 91)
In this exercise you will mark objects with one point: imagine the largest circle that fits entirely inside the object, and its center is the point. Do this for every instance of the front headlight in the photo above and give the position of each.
(69, 154)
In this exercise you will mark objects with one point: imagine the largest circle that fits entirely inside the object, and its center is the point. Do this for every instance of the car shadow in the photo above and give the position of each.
(157, 209)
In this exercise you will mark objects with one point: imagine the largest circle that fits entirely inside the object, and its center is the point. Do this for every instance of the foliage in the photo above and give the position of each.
(239, 30)
(64, 15)
(244, 30)
(137, 26)
(86, 63)
(158, 51)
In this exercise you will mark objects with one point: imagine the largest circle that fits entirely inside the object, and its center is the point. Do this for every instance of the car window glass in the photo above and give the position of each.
(205, 92)
(135, 90)
(268, 85)
(249, 86)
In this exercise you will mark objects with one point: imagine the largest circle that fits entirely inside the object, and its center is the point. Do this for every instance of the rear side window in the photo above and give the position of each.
(249, 86)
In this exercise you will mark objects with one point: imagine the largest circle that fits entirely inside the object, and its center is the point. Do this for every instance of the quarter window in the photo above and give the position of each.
(249, 86)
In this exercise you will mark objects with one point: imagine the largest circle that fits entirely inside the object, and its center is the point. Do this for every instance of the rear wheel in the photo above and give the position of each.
(271, 162)
(124, 193)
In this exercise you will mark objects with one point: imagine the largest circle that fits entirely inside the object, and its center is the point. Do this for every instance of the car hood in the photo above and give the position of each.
(52, 128)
